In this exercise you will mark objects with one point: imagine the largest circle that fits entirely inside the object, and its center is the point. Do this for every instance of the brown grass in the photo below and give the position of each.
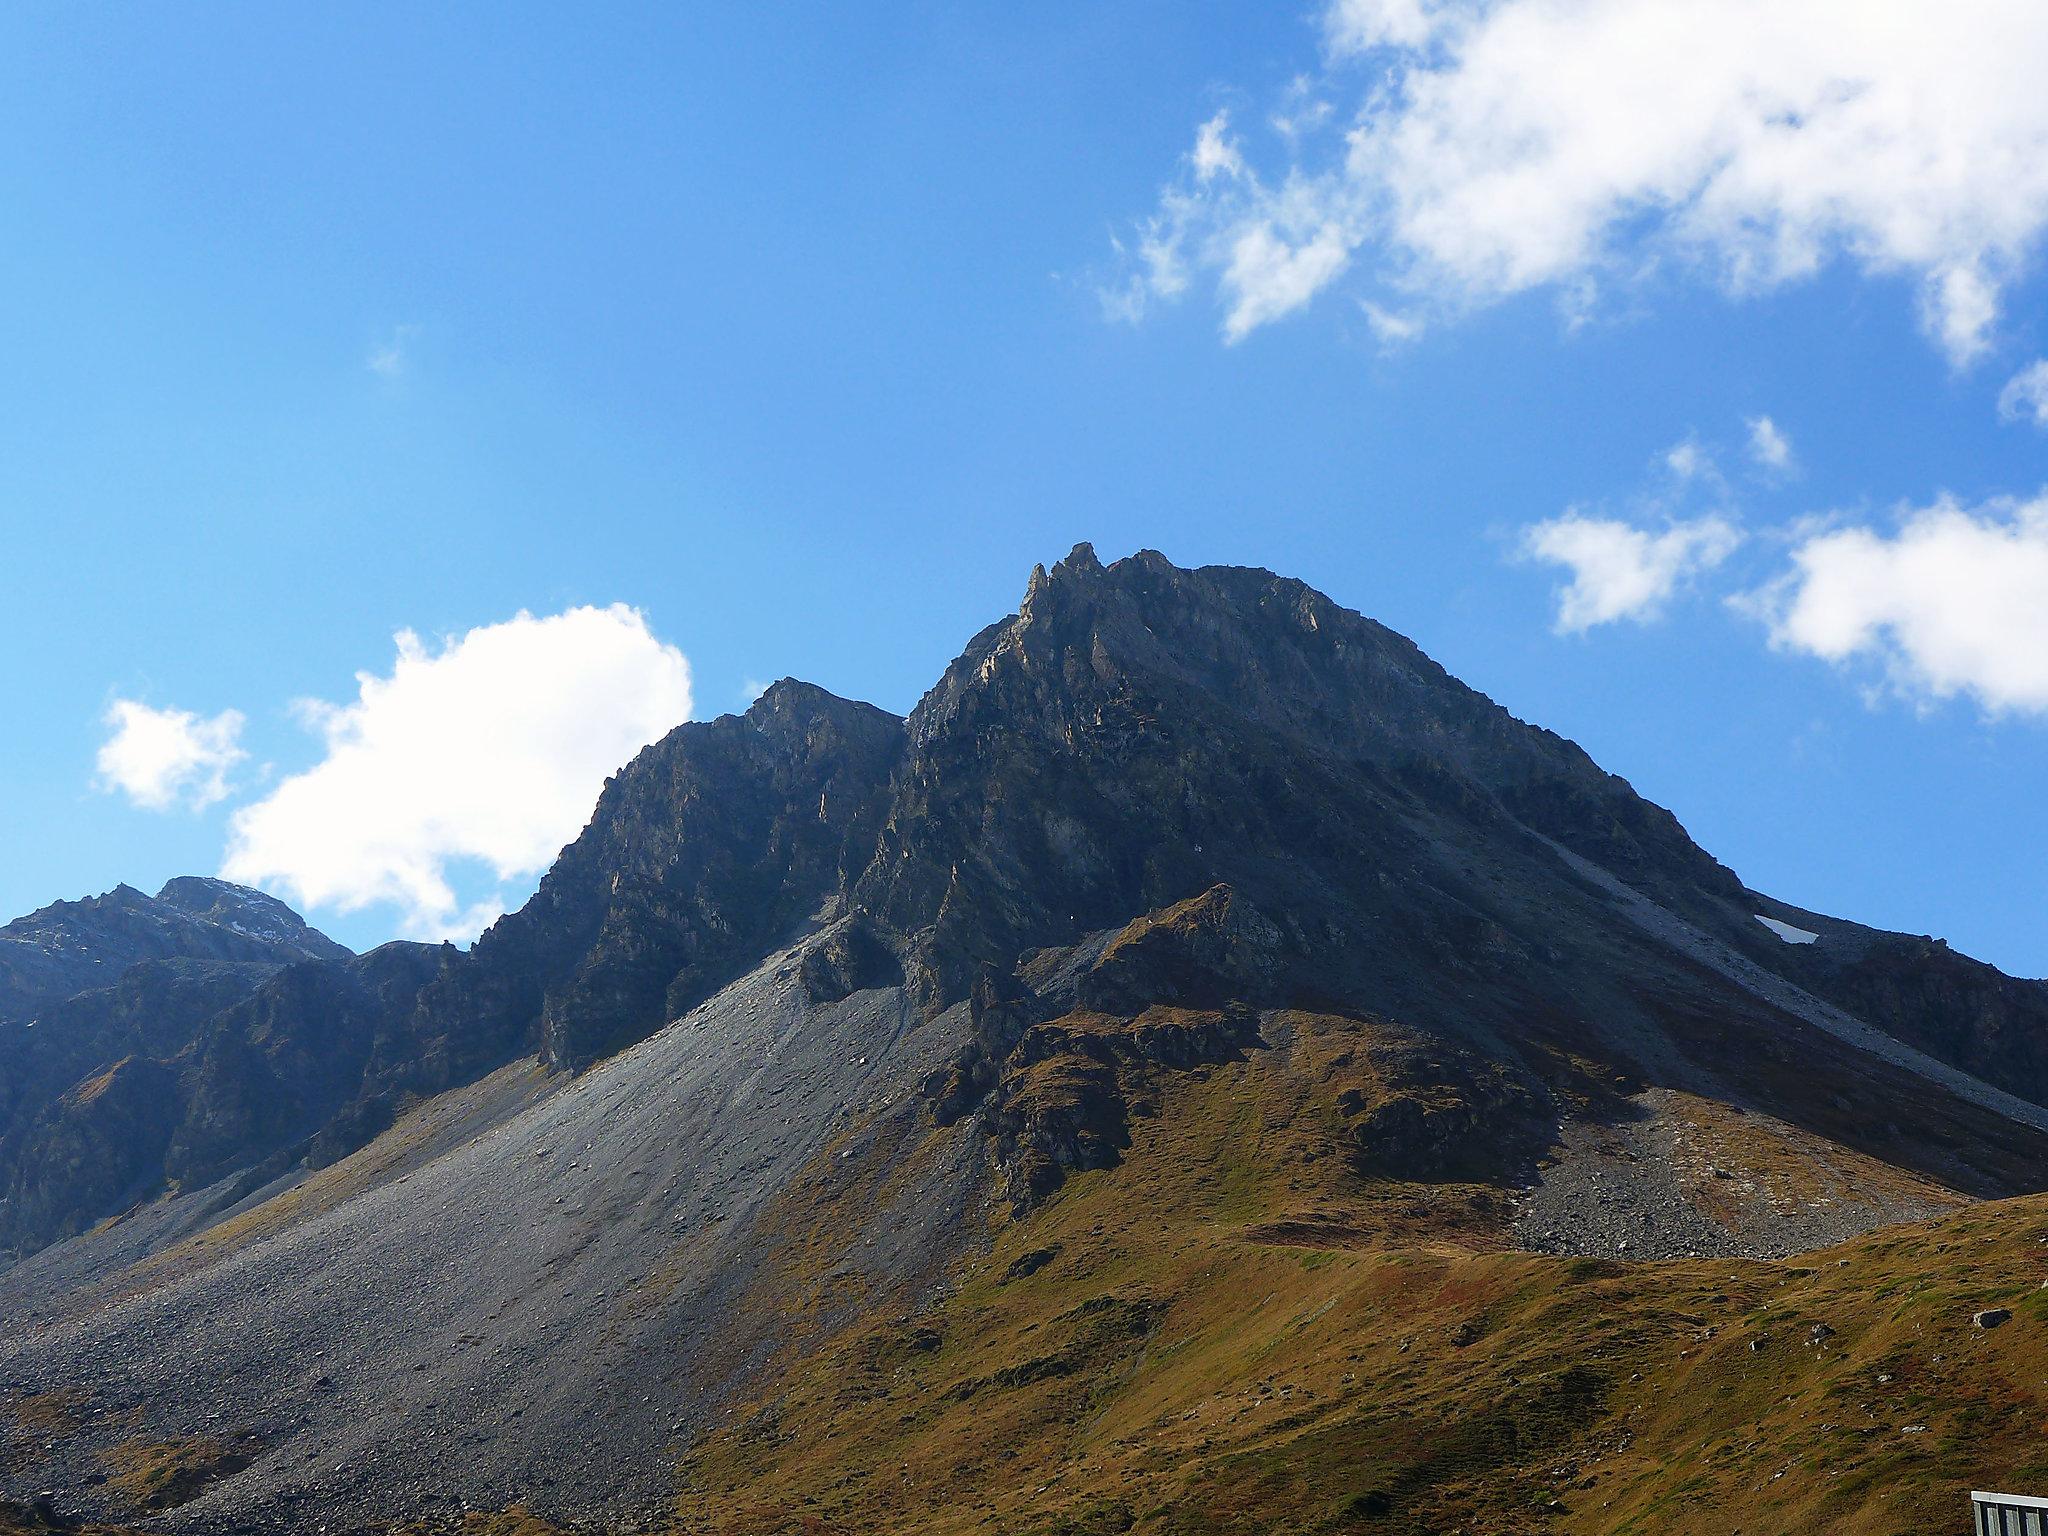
(162, 1474)
(49, 1414)
(1236, 1335)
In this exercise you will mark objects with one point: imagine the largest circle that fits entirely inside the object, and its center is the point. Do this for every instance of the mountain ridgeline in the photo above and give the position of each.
(1135, 735)
(825, 1007)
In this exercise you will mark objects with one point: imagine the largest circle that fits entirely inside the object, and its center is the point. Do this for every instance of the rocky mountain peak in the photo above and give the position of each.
(792, 705)
(249, 912)
(1080, 562)
(70, 946)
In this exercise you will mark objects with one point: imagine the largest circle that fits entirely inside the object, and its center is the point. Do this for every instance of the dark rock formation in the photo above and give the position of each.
(1141, 733)
(1921, 991)
(1204, 952)
(711, 847)
(1069, 1089)
(251, 914)
(848, 958)
(278, 1066)
(97, 1148)
(70, 947)
(1417, 1109)
(184, 1072)
(133, 1003)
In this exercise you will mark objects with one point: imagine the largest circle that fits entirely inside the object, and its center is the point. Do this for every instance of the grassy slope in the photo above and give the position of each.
(1232, 1333)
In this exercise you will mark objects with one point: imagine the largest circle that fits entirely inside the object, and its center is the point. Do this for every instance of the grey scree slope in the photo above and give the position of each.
(483, 1331)
(1682, 936)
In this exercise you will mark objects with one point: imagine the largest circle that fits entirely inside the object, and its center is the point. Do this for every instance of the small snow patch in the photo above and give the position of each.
(1786, 931)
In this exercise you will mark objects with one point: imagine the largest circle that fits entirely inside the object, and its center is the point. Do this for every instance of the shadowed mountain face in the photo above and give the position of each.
(1179, 881)
(69, 947)
(238, 1034)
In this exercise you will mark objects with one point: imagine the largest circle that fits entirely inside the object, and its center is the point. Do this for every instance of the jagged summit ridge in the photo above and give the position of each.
(1136, 733)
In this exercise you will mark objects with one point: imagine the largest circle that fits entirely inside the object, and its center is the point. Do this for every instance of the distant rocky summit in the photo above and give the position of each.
(166, 1042)
(1194, 941)
(70, 946)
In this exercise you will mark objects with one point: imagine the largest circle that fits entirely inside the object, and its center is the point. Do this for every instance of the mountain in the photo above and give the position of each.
(1206, 1069)
(71, 946)
(172, 1042)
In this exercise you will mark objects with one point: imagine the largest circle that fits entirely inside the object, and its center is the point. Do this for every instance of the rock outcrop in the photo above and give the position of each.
(714, 845)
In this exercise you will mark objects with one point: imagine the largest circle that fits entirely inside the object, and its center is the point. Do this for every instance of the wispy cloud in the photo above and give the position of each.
(391, 357)
(1216, 153)
(2025, 396)
(1688, 460)
(1769, 447)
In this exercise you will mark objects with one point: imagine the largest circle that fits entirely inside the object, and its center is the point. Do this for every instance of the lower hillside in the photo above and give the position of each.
(1101, 1248)
(1229, 1333)
(1241, 1326)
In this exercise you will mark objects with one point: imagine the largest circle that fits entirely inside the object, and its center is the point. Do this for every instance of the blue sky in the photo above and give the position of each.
(803, 332)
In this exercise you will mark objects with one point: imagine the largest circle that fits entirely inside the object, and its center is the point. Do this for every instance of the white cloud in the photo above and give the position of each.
(1391, 326)
(1620, 571)
(160, 758)
(1503, 146)
(491, 747)
(2025, 396)
(1215, 153)
(1688, 460)
(1954, 602)
(390, 358)
(1768, 444)
(1356, 26)
(1267, 277)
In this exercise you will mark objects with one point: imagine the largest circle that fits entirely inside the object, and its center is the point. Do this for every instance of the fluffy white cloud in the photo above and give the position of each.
(1354, 26)
(491, 747)
(1768, 444)
(2025, 396)
(1619, 571)
(1954, 602)
(1499, 146)
(160, 758)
